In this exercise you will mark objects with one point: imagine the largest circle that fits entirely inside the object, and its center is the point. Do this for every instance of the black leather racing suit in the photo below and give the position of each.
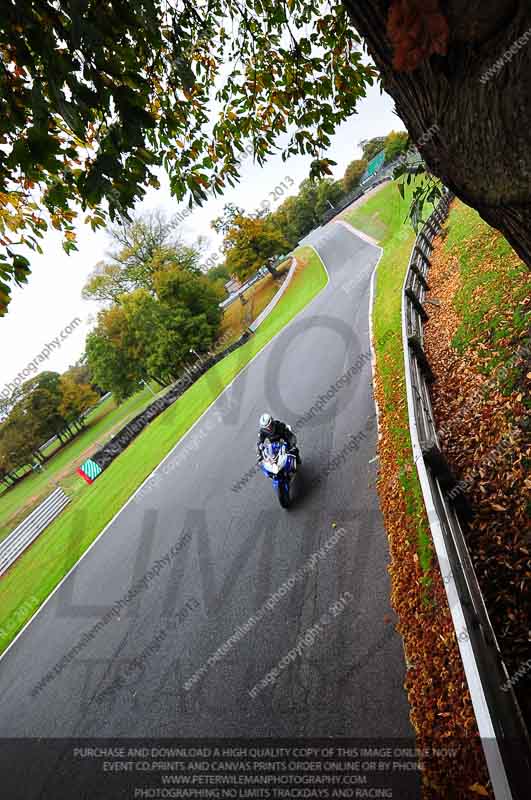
(278, 431)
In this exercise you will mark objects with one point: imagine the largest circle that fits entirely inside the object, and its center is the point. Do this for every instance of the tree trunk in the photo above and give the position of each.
(468, 111)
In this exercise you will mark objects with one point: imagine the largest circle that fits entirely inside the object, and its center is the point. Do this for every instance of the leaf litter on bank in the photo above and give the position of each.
(483, 422)
(441, 709)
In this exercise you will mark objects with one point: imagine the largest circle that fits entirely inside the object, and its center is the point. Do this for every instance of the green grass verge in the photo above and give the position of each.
(35, 574)
(385, 217)
(494, 285)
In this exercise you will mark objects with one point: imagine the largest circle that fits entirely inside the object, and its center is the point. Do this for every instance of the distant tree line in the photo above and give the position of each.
(46, 405)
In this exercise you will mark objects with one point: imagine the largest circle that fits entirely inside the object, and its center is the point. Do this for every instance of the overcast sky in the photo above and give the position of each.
(52, 298)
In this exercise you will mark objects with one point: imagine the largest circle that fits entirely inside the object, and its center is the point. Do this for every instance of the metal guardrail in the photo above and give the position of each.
(243, 288)
(503, 732)
(24, 534)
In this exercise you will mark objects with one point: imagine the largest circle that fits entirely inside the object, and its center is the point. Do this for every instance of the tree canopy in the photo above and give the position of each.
(219, 273)
(371, 147)
(147, 334)
(353, 173)
(250, 242)
(395, 144)
(94, 97)
(141, 247)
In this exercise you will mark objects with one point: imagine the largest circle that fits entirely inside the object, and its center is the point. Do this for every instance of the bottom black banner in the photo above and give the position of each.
(217, 769)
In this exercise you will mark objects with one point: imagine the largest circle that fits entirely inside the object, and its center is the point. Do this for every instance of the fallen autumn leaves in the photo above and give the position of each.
(484, 431)
(441, 709)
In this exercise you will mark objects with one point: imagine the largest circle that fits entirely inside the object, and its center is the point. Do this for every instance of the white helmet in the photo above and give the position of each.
(266, 422)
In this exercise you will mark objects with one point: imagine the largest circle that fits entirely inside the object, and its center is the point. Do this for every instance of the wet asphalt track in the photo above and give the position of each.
(238, 548)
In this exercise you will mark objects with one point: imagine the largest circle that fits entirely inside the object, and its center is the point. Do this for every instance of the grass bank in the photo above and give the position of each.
(39, 570)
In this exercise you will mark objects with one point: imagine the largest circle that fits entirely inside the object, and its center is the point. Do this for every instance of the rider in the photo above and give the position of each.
(274, 429)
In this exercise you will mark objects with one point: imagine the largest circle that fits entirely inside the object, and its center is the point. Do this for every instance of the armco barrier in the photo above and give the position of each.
(24, 534)
(504, 736)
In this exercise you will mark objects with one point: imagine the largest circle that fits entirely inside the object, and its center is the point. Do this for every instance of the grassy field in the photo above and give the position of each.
(384, 217)
(17, 502)
(40, 569)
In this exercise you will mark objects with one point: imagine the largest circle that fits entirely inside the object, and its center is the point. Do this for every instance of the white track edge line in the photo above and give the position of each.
(371, 340)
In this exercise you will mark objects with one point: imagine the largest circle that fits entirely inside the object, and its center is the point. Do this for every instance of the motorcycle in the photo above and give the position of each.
(279, 464)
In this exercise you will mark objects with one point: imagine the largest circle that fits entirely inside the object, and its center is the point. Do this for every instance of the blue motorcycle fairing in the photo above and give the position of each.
(290, 466)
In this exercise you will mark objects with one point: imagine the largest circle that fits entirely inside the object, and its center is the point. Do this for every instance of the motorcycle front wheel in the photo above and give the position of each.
(283, 494)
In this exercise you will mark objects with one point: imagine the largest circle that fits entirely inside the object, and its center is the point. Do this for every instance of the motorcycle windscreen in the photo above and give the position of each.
(274, 455)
